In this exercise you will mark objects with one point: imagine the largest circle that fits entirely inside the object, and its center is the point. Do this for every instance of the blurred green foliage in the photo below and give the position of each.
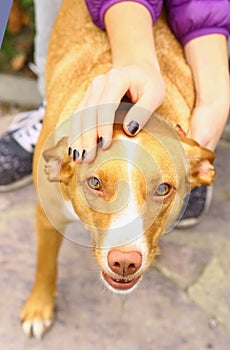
(14, 45)
(26, 3)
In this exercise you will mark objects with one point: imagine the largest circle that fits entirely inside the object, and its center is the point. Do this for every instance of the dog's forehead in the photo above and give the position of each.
(155, 151)
(128, 153)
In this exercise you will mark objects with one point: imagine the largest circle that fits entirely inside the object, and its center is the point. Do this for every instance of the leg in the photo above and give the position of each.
(37, 314)
(45, 15)
(17, 144)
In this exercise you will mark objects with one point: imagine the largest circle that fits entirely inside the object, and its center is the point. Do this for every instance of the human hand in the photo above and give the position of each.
(207, 123)
(144, 86)
(208, 58)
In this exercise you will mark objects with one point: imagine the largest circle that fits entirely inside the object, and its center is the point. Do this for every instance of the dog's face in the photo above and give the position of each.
(129, 196)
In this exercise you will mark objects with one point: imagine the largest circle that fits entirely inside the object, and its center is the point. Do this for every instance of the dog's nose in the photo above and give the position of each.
(124, 263)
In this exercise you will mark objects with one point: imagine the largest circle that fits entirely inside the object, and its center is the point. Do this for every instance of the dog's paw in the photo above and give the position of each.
(37, 316)
(36, 327)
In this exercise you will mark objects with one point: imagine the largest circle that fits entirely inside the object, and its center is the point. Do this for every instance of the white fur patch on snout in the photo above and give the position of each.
(125, 226)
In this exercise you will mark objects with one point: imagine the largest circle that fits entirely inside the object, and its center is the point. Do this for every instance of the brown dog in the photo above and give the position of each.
(132, 192)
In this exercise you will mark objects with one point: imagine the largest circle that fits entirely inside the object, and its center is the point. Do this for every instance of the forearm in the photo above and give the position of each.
(208, 59)
(126, 48)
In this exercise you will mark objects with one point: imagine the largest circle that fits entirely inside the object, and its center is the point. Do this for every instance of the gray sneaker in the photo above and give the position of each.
(195, 207)
(17, 148)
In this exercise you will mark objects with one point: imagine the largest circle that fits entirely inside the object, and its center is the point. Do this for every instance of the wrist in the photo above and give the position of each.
(129, 27)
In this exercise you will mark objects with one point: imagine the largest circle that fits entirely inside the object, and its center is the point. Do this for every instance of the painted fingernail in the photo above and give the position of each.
(70, 151)
(101, 141)
(75, 154)
(133, 126)
(83, 154)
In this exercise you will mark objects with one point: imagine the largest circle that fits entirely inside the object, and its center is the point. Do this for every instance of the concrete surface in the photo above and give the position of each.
(19, 90)
(183, 303)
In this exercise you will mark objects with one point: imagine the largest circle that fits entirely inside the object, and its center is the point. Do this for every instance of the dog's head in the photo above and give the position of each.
(131, 194)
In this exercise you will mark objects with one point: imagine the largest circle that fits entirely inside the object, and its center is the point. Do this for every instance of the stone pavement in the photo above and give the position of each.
(183, 302)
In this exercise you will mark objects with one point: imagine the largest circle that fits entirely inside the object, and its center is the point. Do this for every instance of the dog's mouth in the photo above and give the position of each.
(120, 284)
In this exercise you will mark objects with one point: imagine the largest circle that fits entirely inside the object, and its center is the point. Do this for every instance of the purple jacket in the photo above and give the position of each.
(187, 18)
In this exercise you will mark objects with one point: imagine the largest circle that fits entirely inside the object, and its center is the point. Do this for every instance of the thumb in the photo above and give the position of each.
(136, 119)
(138, 116)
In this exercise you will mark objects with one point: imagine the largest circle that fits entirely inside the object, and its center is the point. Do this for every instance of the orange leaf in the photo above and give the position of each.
(17, 18)
(18, 62)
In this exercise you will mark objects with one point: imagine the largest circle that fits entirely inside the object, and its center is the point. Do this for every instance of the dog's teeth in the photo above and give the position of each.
(120, 280)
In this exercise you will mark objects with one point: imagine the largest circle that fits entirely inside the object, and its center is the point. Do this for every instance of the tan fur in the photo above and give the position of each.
(78, 52)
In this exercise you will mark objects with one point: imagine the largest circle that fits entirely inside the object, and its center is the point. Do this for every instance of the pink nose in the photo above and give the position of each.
(124, 263)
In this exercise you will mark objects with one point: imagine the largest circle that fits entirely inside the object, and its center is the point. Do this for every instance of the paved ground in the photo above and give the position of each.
(183, 302)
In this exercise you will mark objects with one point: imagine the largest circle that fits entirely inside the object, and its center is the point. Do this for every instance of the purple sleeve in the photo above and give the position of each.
(97, 9)
(190, 19)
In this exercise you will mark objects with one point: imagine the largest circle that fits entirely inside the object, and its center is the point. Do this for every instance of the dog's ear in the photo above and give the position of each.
(202, 171)
(59, 166)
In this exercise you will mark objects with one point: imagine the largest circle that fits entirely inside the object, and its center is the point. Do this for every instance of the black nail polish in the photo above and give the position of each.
(83, 154)
(70, 151)
(101, 141)
(75, 154)
(133, 127)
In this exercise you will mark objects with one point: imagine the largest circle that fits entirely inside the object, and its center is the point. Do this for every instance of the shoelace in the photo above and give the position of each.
(26, 127)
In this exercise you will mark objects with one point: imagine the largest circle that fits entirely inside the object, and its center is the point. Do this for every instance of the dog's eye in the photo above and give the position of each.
(163, 189)
(94, 183)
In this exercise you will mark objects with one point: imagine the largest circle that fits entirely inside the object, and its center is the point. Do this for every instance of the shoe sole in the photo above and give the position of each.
(186, 223)
(16, 185)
